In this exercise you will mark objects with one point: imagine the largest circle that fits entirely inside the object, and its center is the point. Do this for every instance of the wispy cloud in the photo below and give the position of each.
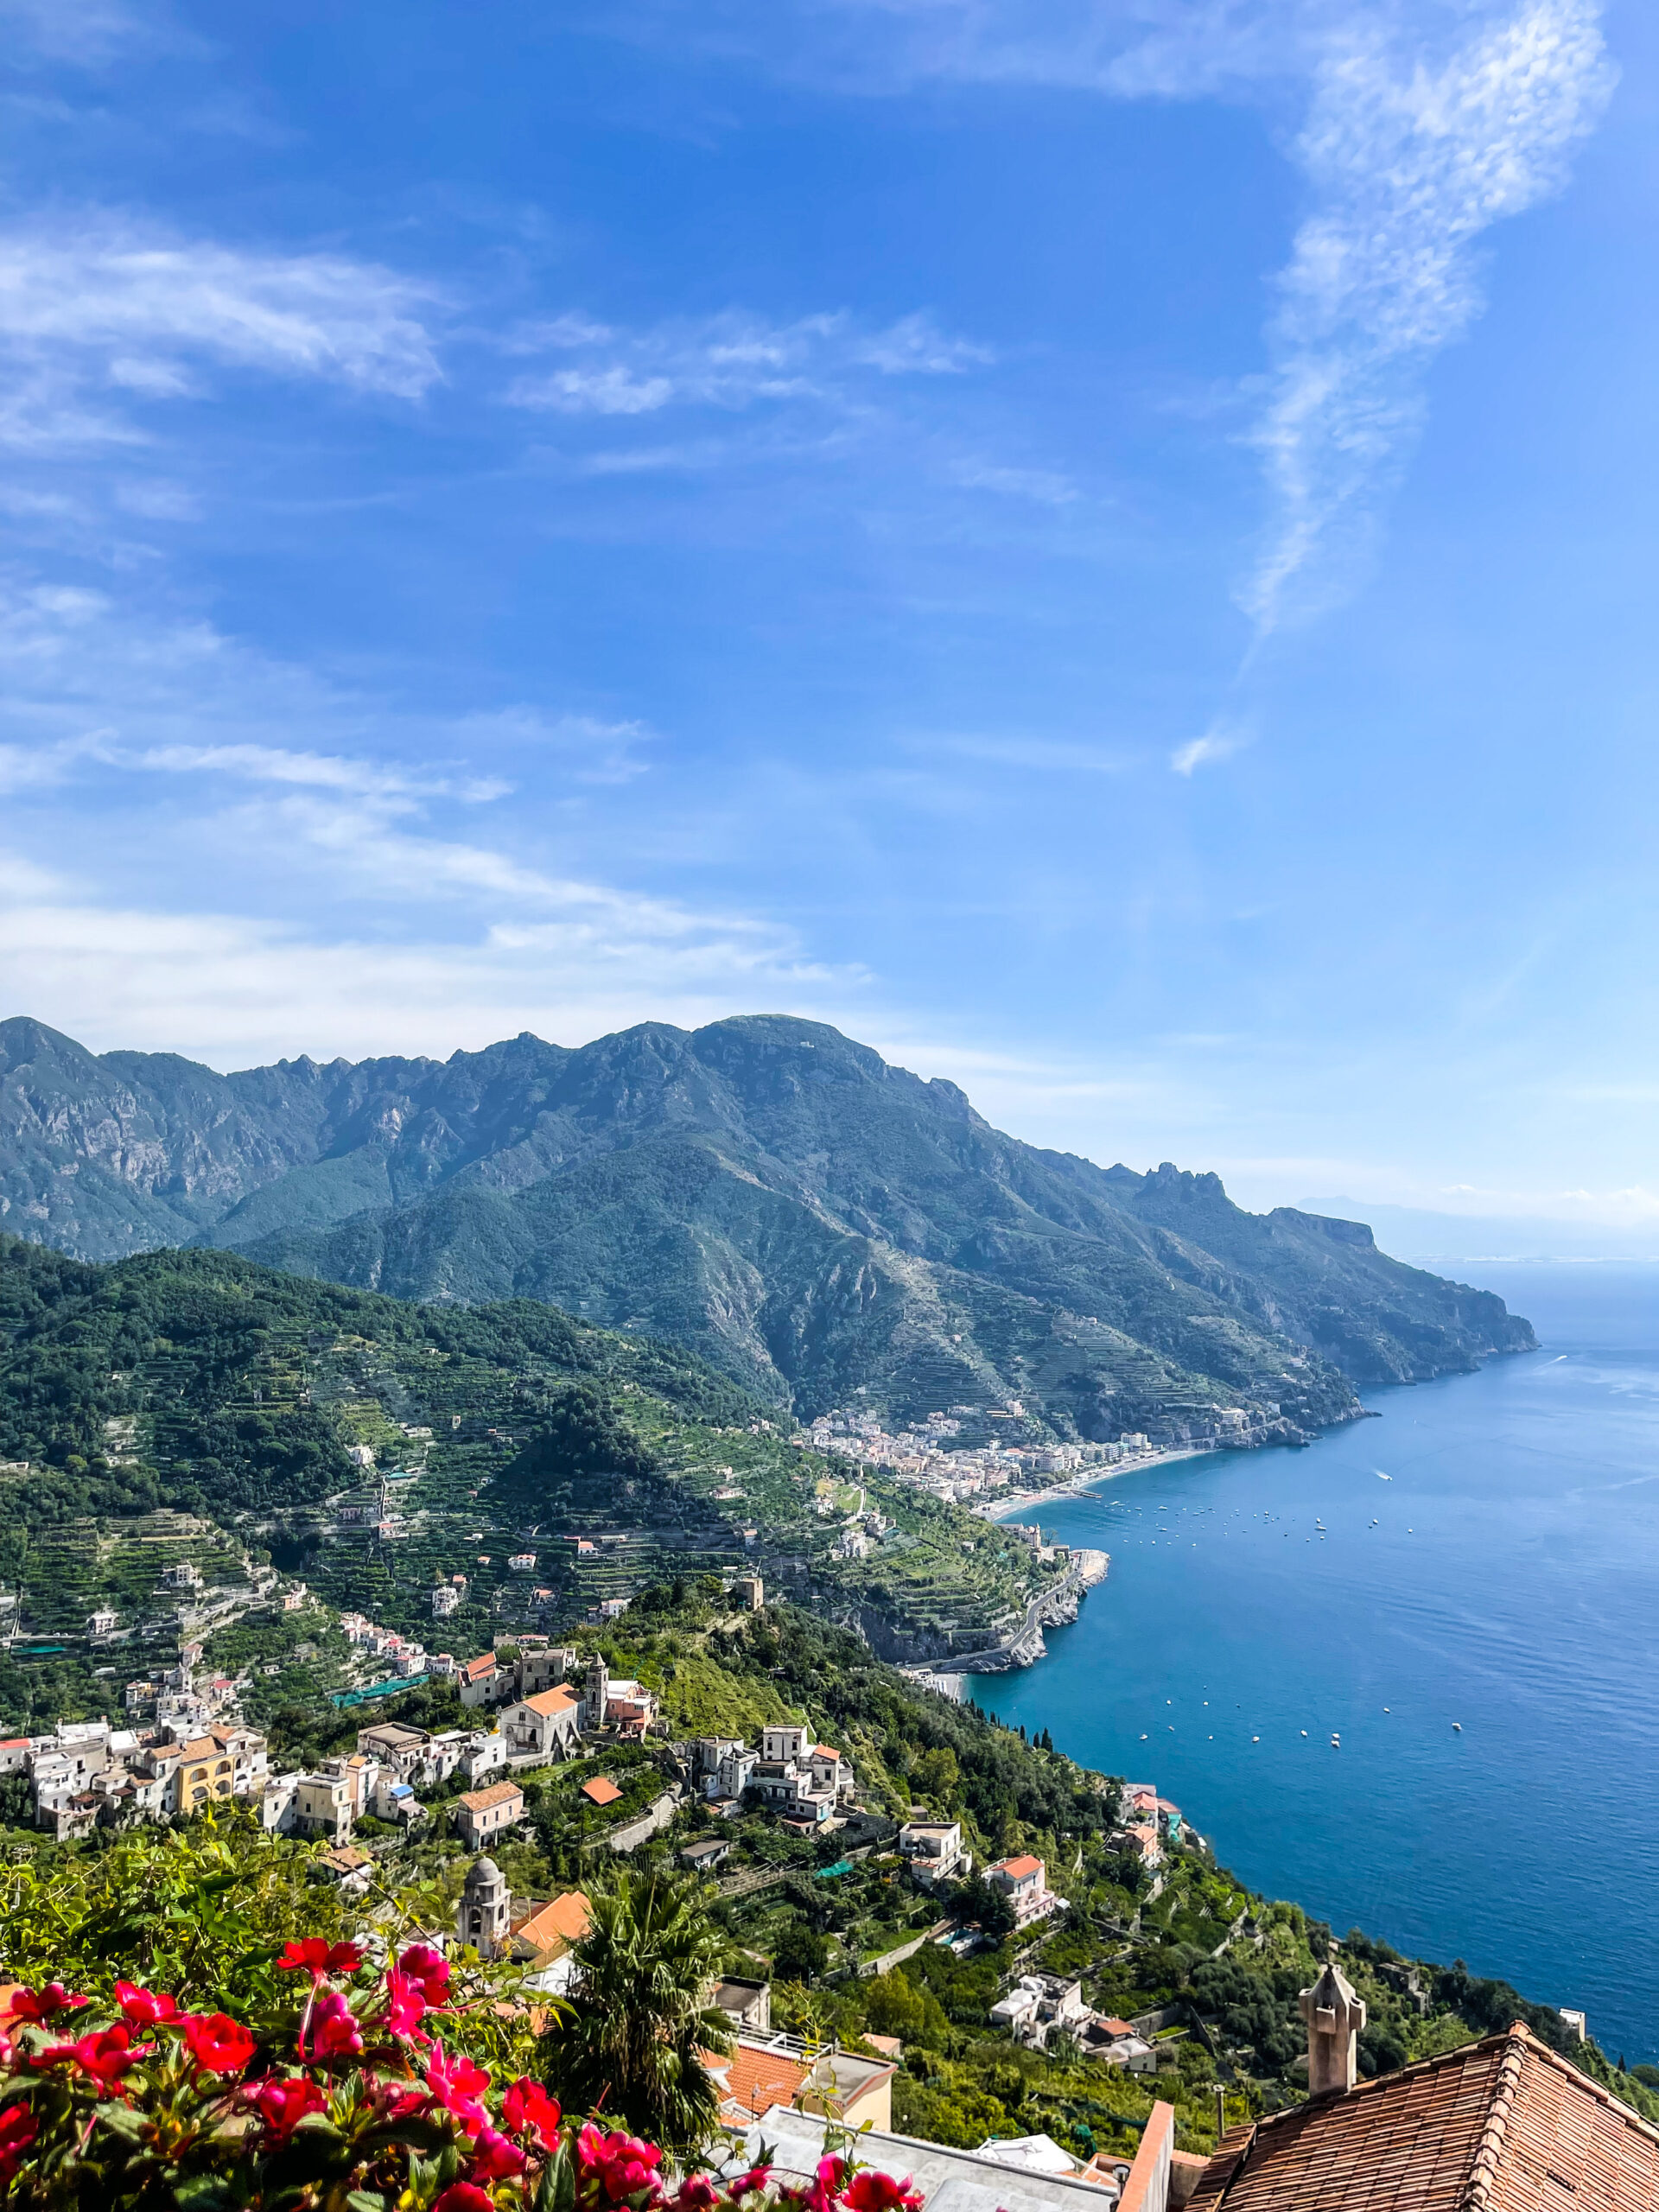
(1423, 123)
(105, 311)
(730, 360)
(1410, 162)
(171, 750)
(1219, 743)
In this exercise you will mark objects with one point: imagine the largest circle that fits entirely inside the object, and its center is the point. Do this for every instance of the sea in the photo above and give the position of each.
(1408, 1677)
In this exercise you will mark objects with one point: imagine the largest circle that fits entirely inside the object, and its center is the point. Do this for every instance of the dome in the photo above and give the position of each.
(483, 1870)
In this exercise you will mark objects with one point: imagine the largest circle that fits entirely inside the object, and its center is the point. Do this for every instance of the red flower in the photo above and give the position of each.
(333, 2028)
(621, 2164)
(462, 2196)
(405, 2006)
(870, 2191)
(41, 2004)
(428, 1970)
(697, 2193)
(757, 2178)
(528, 2110)
(458, 2085)
(313, 1956)
(494, 2157)
(17, 2131)
(218, 2044)
(144, 2008)
(282, 2105)
(106, 2055)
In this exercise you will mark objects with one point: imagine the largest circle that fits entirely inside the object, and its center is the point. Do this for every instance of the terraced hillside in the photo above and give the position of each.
(194, 1405)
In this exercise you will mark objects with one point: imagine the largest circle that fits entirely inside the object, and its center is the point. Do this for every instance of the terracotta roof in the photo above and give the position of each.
(563, 1922)
(825, 1751)
(551, 1702)
(751, 2081)
(498, 1793)
(476, 1669)
(601, 1791)
(1502, 2126)
(1017, 1870)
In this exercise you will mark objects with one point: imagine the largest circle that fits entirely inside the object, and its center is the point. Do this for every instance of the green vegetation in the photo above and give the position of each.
(631, 2044)
(765, 1192)
(190, 1407)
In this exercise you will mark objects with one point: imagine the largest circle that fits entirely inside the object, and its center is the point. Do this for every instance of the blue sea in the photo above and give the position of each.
(1504, 1577)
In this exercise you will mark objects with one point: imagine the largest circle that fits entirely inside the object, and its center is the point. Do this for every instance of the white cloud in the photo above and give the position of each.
(1046, 486)
(106, 307)
(730, 360)
(165, 759)
(1410, 162)
(1219, 743)
(1423, 123)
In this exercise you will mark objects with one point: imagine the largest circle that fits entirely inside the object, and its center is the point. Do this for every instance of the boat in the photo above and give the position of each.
(1336, 1741)
(1457, 1727)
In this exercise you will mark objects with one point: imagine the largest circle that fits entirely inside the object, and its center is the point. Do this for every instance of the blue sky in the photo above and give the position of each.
(1105, 546)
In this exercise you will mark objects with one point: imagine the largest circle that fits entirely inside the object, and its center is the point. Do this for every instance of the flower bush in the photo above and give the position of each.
(350, 2102)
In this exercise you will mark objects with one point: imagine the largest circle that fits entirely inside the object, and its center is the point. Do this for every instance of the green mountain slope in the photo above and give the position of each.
(764, 1191)
(194, 1405)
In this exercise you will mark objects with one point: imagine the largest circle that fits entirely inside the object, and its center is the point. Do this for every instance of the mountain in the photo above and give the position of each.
(764, 1191)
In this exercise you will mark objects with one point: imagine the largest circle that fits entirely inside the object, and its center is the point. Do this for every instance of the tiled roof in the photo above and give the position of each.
(485, 1800)
(547, 1702)
(1018, 1869)
(1503, 2126)
(565, 1920)
(475, 1670)
(751, 2081)
(600, 1790)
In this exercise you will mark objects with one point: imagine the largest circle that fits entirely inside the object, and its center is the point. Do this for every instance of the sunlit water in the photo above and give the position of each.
(1506, 1577)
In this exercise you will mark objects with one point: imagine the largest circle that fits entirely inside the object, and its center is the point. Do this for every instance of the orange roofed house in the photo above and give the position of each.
(600, 1790)
(1506, 2125)
(481, 1814)
(1023, 1882)
(779, 2070)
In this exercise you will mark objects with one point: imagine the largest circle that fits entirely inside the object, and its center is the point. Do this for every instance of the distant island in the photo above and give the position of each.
(829, 1231)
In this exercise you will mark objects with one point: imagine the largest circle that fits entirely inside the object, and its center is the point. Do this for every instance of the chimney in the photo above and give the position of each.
(1335, 2017)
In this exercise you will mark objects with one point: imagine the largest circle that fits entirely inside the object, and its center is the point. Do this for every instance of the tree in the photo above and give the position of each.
(800, 1953)
(640, 2016)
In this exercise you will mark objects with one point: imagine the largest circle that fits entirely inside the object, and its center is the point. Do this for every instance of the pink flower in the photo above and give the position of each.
(494, 2157)
(870, 2191)
(282, 2105)
(42, 2005)
(462, 2196)
(530, 2111)
(17, 2131)
(310, 1954)
(144, 2008)
(428, 1970)
(621, 2164)
(458, 2086)
(697, 2193)
(218, 2044)
(757, 2178)
(333, 2028)
(106, 2056)
(406, 2007)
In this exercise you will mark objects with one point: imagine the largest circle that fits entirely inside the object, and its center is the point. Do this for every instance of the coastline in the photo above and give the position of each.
(1001, 1508)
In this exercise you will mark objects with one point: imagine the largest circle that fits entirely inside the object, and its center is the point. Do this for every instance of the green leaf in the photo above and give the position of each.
(366, 2200)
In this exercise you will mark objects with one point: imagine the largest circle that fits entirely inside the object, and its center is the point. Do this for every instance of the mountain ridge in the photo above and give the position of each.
(764, 1190)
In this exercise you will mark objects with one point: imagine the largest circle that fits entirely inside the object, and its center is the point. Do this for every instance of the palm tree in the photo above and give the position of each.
(629, 2046)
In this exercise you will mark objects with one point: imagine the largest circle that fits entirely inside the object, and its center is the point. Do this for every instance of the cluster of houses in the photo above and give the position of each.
(1147, 1823)
(87, 1774)
(806, 1783)
(925, 1455)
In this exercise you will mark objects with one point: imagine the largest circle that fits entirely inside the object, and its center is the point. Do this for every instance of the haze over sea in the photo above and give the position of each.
(1510, 1583)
